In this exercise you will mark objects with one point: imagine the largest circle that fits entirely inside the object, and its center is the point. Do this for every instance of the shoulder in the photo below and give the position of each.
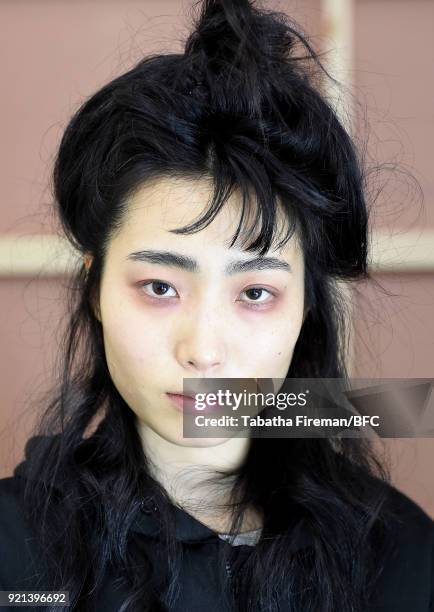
(407, 580)
(16, 542)
(410, 519)
(11, 504)
(411, 527)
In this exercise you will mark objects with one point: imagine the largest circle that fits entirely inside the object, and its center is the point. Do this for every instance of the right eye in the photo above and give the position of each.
(157, 286)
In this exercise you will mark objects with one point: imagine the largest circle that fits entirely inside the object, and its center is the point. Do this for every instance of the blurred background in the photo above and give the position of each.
(55, 53)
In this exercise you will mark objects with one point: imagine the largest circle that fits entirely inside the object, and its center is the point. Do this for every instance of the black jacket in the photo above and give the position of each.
(407, 584)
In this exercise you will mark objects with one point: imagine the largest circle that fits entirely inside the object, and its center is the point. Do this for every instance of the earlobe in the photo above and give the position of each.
(87, 260)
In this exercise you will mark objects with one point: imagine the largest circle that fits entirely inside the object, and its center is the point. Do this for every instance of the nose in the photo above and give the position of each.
(200, 346)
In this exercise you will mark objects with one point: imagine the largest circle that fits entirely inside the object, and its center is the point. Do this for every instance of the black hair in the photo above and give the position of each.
(242, 105)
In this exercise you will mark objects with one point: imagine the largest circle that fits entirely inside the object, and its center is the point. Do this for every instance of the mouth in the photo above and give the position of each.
(187, 403)
(182, 402)
(180, 394)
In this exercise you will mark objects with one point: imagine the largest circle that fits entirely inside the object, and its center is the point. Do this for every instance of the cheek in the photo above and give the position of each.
(131, 342)
(272, 346)
(129, 353)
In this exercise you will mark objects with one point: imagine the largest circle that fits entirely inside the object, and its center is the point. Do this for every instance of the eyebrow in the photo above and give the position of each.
(177, 260)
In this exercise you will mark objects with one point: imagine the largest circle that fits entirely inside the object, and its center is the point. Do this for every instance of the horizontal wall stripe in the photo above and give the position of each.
(50, 255)
(36, 254)
(405, 252)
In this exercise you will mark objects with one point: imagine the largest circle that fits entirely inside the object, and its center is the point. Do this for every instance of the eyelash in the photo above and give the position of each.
(249, 304)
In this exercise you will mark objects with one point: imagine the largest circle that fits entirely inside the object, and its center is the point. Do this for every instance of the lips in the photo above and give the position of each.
(181, 394)
(187, 403)
(183, 403)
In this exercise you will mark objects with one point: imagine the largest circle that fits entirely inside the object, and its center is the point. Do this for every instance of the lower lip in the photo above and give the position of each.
(183, 403)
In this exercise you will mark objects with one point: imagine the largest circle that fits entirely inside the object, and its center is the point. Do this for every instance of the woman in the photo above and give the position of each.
(216, 199)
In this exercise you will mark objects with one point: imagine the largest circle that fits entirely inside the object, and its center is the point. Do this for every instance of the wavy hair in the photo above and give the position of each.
(241, 105)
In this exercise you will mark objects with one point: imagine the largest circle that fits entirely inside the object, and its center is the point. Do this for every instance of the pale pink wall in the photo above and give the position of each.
(394, 329)
(30, 319)
(54, 54)
(394, 56)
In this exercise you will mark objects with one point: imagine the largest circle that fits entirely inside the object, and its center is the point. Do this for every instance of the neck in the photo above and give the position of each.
(185, 473)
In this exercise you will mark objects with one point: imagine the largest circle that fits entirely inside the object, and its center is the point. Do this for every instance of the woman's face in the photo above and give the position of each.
(174, 311)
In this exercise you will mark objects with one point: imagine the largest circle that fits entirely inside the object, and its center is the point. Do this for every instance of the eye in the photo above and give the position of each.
(157, 286)
(256, 296)
(158, 290)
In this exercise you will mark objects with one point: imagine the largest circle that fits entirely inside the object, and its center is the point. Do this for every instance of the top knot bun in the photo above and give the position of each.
(244, 53)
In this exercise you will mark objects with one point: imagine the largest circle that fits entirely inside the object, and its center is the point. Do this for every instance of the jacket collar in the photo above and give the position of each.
(188, 529)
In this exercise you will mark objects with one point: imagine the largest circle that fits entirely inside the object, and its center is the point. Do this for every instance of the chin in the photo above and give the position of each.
(199, 442)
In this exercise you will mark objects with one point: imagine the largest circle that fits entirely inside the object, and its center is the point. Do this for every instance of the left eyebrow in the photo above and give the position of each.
(184, 262)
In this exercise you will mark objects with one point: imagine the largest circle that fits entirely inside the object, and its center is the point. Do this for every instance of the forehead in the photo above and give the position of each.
(165, 204)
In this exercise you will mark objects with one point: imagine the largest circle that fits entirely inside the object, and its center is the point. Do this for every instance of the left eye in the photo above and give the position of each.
(253, 293)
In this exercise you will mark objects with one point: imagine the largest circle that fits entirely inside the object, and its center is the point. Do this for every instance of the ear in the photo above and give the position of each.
(87, 260)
